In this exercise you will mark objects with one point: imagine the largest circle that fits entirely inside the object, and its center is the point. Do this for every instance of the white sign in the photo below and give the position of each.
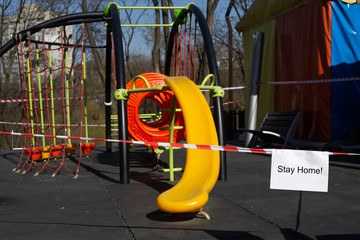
(299, 170)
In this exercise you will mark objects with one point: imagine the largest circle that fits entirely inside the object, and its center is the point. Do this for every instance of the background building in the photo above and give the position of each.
(29, 15)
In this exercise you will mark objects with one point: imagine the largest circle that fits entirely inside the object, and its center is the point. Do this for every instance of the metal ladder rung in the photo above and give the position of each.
(169, 110)
(175, 128)
(168, 170)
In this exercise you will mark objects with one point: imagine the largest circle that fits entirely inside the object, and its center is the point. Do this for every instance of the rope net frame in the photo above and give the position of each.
(185, 52)
(47, 91)
(44, 78)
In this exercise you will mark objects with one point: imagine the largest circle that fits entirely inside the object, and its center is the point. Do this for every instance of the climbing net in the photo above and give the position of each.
(184, 54)
(53, 101)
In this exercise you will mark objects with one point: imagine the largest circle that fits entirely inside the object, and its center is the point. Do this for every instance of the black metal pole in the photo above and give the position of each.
(62, 20)
(120, 83)
(108, 87)
(169, 51)
(218, 109)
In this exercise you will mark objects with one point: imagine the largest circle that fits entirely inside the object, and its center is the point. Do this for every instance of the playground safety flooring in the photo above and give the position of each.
(96, 206)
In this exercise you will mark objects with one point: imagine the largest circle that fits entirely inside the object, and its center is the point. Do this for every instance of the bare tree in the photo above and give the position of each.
(7, 61)
(156, 48)
(92, 41)
(165, 18)
(243, 6)
(220, 37)
(129, 33)
(210, 10)
(15, 16)
(203, 63)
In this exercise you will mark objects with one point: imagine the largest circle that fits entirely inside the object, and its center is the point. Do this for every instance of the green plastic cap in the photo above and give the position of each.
(107, 8)
(176, 16)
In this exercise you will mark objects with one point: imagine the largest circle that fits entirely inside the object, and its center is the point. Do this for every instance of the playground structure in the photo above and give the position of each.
(173, 66)
(200, 130)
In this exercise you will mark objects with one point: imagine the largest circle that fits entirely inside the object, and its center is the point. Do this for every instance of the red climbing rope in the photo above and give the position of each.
(37, 110)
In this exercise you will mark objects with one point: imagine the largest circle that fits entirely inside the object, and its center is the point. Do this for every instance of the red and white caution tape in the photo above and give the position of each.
(235, 88)
(225, 103)
(56, 125)
(10, 101)
(164, 144)
(330, 80)
(44, 99)
(312, 81)
(297, 82)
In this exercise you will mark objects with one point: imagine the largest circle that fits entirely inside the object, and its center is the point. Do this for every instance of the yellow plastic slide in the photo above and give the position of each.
(201, 172)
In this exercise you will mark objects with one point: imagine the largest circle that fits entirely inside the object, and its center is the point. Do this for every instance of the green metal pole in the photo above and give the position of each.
(171, 139)
(67, 97)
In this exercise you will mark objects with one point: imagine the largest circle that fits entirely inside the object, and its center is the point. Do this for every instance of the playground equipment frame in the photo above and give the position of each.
(112, 17)
(211, 57)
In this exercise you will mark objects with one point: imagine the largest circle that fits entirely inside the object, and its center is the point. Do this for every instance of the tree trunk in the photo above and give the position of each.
(92, 42)
(156, 48)
(210, 10)
(165, 17)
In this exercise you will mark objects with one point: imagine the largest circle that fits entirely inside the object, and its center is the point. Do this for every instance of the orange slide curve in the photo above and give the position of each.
(201, 172)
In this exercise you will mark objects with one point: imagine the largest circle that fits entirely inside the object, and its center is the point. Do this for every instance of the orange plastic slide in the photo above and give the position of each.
(201, 172)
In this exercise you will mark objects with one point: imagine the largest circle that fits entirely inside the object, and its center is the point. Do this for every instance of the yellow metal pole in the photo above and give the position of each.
(40, 94)
(147, 25)
(30, 95)
(133, 7)
(52, 98)
(85, 99)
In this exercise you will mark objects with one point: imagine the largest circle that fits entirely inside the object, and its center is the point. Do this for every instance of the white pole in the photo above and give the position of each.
(255, 85)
